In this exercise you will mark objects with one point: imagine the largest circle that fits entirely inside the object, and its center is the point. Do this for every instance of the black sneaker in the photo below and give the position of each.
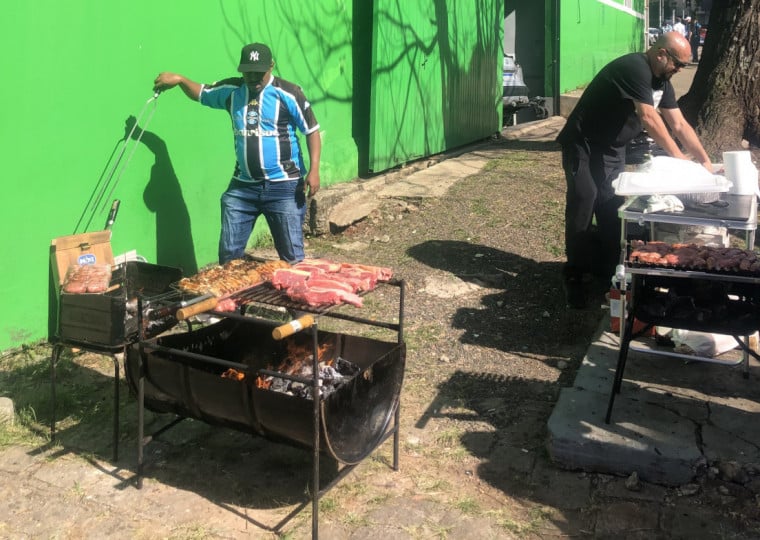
(575, 292)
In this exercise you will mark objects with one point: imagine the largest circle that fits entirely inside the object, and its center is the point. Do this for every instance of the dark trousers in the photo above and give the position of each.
(695, 52)
(589, 172)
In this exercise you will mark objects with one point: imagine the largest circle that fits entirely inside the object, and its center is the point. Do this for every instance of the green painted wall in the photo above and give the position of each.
(593, 32)
(75, 72)
(436, 80)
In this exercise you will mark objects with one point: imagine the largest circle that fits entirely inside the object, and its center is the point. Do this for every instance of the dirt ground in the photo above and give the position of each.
(490, 344)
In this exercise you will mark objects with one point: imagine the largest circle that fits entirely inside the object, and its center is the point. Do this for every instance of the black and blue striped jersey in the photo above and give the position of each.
(264, 126)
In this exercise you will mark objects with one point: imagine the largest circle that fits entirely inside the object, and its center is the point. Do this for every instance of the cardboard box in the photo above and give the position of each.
(74, 249)
(85, 248)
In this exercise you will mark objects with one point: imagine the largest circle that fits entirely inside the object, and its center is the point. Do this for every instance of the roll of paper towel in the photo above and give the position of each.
(740, 172)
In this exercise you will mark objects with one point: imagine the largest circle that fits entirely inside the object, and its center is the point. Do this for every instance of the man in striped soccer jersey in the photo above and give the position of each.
(270, 177)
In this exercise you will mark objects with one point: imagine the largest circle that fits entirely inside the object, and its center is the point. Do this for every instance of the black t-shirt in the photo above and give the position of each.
(605, 113)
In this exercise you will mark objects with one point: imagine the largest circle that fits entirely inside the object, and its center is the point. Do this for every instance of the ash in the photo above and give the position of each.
(331, 377)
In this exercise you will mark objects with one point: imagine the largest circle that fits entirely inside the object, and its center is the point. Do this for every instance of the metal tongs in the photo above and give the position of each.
(112, 178)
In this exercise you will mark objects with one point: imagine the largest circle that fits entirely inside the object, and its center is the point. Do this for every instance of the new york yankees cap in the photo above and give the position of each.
(255, 57)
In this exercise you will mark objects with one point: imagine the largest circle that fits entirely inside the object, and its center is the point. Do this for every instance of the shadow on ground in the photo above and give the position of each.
(527, 315)
(242, 473)
(506, 417)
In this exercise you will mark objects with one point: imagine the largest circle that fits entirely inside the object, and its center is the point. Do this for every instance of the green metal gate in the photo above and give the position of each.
(436, 77)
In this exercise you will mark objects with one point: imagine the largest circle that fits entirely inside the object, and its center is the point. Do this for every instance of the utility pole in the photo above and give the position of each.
(661, 12)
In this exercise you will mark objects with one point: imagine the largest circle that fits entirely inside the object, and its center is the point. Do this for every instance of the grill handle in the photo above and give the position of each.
(112, 214)
(296, 325)
(188, 311)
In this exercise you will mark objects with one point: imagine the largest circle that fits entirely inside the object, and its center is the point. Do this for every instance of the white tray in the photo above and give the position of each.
(637, 183)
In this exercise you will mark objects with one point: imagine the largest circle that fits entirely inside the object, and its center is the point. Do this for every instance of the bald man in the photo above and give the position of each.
(628, 94)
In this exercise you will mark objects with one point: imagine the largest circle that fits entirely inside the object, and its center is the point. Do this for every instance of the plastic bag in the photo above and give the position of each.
(665, 175)
(663, 203)
(702, 343)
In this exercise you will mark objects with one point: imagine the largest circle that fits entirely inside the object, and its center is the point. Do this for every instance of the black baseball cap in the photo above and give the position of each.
(255, 57)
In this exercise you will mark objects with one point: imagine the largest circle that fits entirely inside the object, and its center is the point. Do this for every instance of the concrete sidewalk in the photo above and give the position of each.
(672, 420)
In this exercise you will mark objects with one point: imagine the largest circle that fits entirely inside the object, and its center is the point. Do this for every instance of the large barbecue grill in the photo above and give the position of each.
(715, 300)
(187, 374)
(183, 374)
(336, 394)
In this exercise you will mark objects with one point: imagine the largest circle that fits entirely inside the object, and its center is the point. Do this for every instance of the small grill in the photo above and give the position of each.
(183, 373)
(109, 320)
(718, 302)
(107, 323)
(717, 272)
(721, 301)
(716, 294)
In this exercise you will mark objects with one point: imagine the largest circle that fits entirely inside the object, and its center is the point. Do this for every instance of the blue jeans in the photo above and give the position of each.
(283, 205)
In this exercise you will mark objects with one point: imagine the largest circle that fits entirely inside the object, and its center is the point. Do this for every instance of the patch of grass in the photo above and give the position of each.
(355, 520)
(353, 489)
(458, 454)
(78, 491)
(414, 531)
(536, 517)
(19, 433)
(194, 531)
(378, 461)
(510, 159)
(449, 437)
(468, 505)
(510, 525)
(328, 504)
(421, 335)
(431, 484)
(539, 514)
(481, 207)
(556, 250)
(439, 531)
(378, 499)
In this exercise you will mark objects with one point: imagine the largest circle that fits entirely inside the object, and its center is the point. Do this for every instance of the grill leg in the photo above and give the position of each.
(116, 405)
(396, 418)
(317, 398)
(140, 417)
(56, 354)
(625, 342)
(745, 359)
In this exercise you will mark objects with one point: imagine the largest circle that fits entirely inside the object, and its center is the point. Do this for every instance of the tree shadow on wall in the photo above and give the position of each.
(163, 196)
(419, 91)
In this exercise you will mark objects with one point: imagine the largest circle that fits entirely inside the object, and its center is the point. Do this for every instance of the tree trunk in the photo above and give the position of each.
(723, 103)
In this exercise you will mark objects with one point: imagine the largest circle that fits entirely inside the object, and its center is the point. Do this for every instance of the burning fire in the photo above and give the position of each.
(233, 374)
(298, 361)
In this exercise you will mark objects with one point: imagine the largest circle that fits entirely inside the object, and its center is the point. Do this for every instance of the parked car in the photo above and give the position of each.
(654, 33)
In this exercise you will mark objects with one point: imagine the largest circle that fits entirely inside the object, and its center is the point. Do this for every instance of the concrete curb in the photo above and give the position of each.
(670, 421)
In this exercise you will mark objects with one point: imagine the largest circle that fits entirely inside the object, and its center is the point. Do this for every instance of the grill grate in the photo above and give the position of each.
(717, 272)
(265, 293)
